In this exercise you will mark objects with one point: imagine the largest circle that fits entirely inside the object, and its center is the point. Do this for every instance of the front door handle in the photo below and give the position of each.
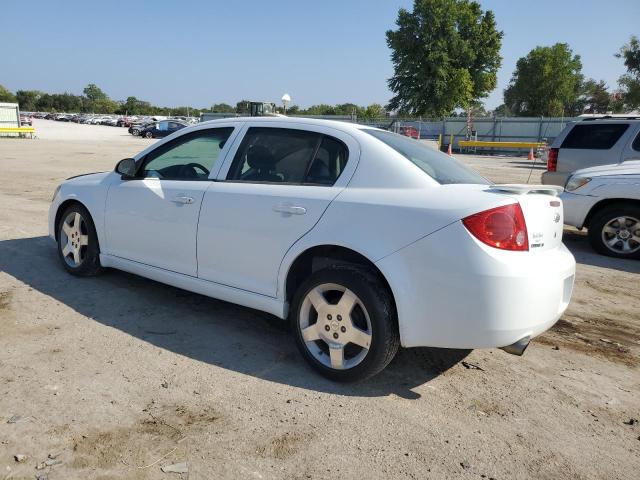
(183, 199)
(288, 209)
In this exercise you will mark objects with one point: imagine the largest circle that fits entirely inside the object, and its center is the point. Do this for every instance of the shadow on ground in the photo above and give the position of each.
(207, 330)
(578, 243)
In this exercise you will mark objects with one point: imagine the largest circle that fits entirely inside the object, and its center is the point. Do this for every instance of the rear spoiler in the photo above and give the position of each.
(521, 189)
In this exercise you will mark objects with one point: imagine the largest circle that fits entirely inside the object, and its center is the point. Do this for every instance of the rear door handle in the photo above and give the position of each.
(289, 209)
(182, 199)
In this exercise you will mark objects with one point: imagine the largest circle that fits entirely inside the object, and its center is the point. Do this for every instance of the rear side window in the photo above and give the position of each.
(600, 136)
(442, 168)
(282, 155)
(636, 143)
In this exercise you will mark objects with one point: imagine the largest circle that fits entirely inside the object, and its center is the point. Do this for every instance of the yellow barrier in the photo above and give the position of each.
(29, 130)
(478, 143)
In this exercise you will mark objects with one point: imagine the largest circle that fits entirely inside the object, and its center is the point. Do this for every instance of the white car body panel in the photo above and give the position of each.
(608, 182)
(450, 289)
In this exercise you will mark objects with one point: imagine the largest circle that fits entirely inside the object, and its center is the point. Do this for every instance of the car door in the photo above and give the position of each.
(273, 189)
(153, 218)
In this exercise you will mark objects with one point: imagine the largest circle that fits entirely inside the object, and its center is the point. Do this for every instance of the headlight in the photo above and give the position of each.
(55, 194)
(576, 182)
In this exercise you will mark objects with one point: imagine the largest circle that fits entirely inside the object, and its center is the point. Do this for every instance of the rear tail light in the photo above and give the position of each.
(552, 159)
(502, 227)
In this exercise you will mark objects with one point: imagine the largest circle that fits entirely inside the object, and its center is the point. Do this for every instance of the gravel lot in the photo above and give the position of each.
(116, 376)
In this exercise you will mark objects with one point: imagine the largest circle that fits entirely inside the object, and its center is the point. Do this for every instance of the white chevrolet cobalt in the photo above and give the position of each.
(365, 240)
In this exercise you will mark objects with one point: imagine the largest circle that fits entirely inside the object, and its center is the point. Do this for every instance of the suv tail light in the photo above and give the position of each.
(502, 227)
(552, 159)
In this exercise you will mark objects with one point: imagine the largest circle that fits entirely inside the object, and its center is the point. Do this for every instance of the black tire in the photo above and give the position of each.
(148, 135)
(605, 216)
(377, 300)
(90, 262)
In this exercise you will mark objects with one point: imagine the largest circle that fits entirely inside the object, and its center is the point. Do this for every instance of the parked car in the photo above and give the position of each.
(589, 143)
(364, 239)
(606, 201)
(135, 128)
(161, 129)
(409, 131)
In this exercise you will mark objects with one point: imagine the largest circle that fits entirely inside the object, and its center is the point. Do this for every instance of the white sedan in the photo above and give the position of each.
(606, 200)
(365, 240)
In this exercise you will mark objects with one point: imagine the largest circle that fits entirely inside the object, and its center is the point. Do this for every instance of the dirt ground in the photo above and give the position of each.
(117, 376)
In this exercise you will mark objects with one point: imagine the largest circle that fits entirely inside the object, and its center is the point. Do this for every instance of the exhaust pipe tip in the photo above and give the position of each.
(518, 347)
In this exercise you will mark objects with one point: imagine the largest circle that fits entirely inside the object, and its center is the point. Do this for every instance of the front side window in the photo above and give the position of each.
(282, 155)
(189, 157)
(599, 136)
(442, 168)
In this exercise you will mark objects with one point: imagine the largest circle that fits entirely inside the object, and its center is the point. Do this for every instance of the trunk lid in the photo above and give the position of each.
(542, 209)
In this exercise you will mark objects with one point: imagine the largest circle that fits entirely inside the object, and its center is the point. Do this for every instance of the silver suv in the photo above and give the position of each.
(592, 142)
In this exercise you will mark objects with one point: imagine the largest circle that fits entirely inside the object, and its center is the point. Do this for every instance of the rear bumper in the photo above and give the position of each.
(456, 292)
(555, 178)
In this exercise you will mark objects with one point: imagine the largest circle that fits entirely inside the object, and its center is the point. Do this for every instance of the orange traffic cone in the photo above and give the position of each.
(531, 157)
(449, 152)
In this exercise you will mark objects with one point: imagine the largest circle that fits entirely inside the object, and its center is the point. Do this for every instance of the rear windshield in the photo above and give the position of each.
(598, 136)
(442, 168)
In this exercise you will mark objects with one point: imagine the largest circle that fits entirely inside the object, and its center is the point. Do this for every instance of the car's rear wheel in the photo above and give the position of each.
(615, 230)
(344, 322)
(148, 135)
(78, 242)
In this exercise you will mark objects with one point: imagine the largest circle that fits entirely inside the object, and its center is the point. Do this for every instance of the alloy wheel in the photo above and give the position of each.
(621, 235)
(74, 239)
(335, 326)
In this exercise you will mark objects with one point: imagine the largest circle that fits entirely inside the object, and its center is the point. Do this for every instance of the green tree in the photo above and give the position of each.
(597, 98)
(94, 93)
(222, 108)
(375, 110)
(548, 81)
(445, 53)
(28, 99)
(293, 110)
(630, 81)
(6, 95)
(502, 111)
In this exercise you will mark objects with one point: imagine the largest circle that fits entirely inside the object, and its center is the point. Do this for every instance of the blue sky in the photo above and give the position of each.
(200, 52)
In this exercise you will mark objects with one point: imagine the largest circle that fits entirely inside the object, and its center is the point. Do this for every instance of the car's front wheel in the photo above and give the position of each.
(615, 230)
(78, 242)
(344, 322)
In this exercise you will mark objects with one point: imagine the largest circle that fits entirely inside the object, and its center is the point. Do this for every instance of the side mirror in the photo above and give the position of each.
(126, 168)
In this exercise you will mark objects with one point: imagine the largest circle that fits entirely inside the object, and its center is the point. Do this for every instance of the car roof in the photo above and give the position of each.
(339, 125)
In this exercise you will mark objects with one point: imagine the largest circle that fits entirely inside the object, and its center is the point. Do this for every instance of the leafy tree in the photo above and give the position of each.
(6, 95)
(597, 98)
(222, 108)
(94, 93)
(375, 110)
(630, 81)
(502, 111)
(445, 53)
(28, 99)
(548, 81)
(293, 110)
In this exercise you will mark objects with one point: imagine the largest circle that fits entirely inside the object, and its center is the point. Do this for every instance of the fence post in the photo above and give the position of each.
(540, 128)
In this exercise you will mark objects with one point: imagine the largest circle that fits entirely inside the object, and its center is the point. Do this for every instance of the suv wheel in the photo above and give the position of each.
(615, 230)
(344, 323)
